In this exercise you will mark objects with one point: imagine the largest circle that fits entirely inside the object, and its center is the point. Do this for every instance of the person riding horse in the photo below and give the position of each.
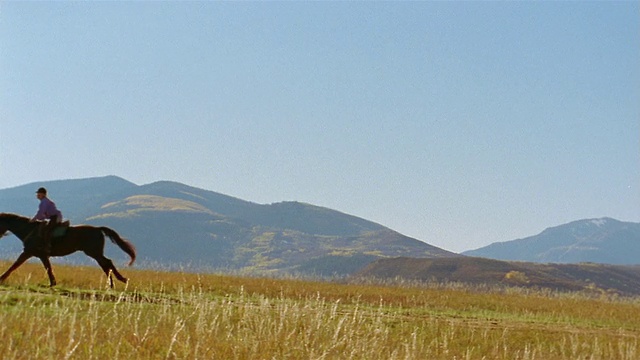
(86, 238)
(47, 210)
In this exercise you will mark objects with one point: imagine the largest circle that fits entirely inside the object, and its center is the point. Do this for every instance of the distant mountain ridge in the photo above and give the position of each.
(603, 240)
(172, 223)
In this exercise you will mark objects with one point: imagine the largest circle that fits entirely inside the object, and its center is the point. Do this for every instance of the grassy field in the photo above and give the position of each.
(170, 315)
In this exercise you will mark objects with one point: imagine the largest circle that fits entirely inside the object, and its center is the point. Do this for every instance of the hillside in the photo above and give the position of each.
(591, 277)
(176, 225)
(603, 240)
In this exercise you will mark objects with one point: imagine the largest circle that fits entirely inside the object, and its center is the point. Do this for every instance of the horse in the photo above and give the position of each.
(86, 238)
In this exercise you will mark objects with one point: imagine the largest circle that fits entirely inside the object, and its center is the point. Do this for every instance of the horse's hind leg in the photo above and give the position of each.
(116, 272)
(107, 266)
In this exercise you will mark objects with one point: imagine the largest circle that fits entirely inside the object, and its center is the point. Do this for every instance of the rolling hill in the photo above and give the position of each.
(604, 240)
(588, 277)
(176, 225)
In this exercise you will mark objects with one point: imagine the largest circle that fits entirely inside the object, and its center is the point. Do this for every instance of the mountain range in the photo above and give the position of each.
(175, 225)
(603, 240)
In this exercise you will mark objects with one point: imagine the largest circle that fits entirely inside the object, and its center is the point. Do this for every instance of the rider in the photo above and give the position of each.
(47, 210)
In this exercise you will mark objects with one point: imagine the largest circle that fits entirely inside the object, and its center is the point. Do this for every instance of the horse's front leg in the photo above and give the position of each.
(47, 265)
(21, 259)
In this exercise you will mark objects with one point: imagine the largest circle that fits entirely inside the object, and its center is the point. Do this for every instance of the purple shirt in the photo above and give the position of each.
(47, 209)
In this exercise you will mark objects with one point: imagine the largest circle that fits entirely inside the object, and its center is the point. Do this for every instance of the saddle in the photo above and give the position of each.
(60, 229)
(35, 240)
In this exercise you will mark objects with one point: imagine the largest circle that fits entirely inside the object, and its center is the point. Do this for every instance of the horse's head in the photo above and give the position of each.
(19, 225)
(3, 224)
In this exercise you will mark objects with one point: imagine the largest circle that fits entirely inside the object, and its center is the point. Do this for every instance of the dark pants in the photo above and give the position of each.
(42, 235)
(53, 221)
(48, 231)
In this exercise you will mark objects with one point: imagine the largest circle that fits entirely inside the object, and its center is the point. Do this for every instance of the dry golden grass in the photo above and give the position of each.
(164, 315)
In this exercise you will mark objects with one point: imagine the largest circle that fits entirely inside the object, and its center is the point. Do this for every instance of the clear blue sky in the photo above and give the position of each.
(457, 123)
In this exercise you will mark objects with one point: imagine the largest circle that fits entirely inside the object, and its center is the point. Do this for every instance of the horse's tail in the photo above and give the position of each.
(125, 245)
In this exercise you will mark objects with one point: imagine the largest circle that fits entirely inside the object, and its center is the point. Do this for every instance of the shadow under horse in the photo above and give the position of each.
(86, 238)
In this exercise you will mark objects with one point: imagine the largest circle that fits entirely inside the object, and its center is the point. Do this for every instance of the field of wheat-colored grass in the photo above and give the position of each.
(172, 315)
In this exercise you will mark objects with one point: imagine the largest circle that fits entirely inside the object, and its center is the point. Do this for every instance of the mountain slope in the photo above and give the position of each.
(602, 240)
(173, 224)
(590, 277)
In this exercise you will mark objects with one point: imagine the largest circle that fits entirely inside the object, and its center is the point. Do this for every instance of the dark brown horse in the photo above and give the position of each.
(86, 238)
